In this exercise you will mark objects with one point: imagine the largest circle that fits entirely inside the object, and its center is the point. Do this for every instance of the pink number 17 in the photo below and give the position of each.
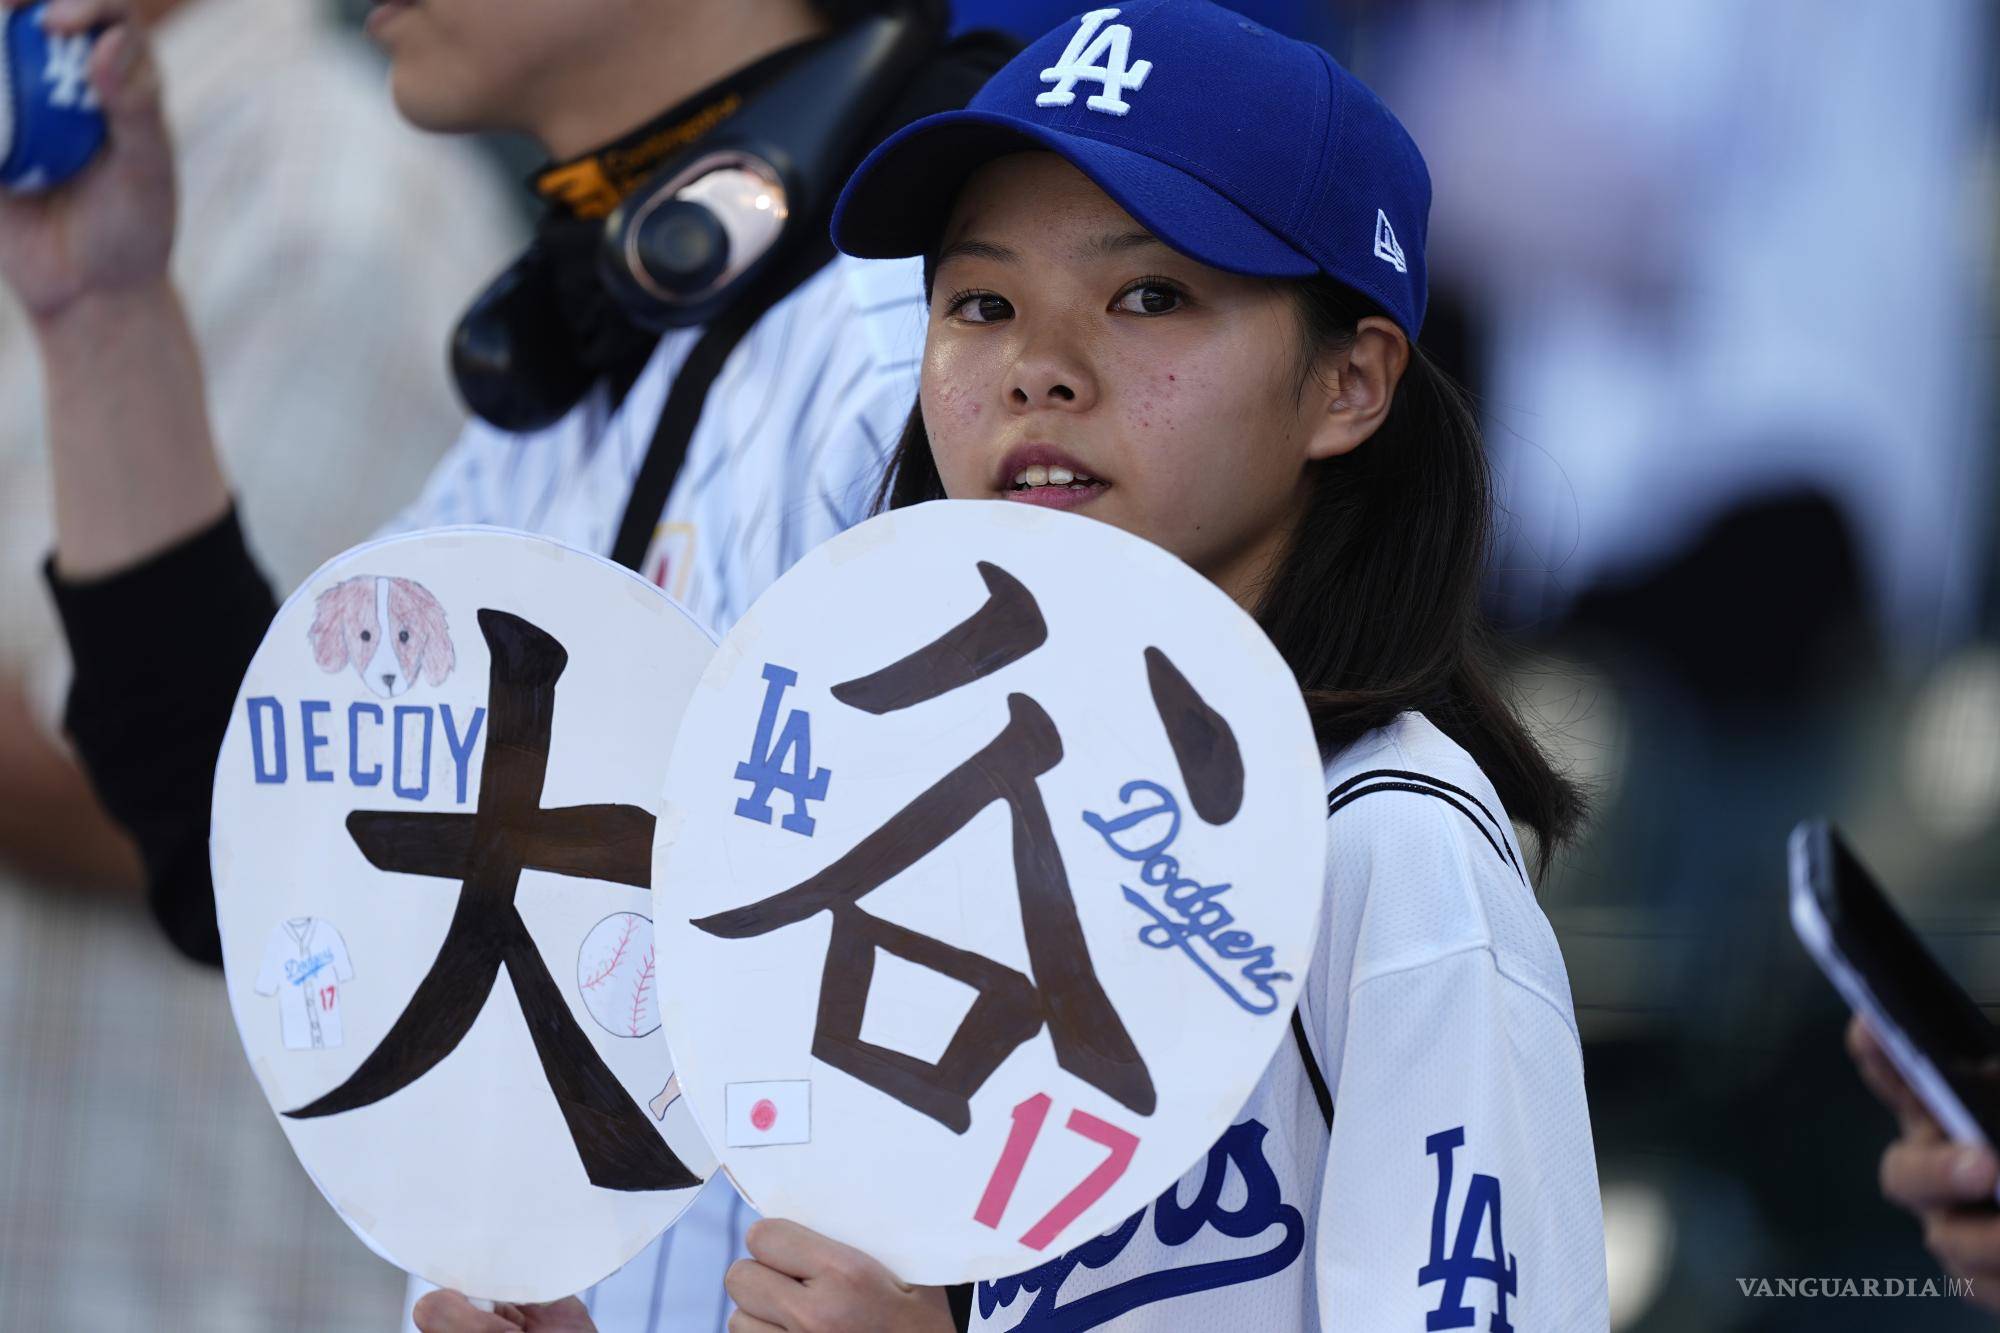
(1028, 1119)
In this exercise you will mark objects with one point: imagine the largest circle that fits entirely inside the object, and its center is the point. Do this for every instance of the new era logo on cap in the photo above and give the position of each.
(1386, 248)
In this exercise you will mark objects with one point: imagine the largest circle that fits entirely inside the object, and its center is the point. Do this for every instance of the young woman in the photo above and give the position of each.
(1175, 267)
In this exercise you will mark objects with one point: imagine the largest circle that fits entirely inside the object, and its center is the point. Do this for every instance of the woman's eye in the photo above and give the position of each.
(1149, 298)
(366, 636)
(404, 637)
(981, 308)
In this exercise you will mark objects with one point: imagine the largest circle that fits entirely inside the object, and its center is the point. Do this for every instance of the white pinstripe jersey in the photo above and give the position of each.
(792, 439)
(793, 436)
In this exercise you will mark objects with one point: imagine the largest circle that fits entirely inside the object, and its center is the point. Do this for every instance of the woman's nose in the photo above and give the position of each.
(1051, 374)
(1054, 393)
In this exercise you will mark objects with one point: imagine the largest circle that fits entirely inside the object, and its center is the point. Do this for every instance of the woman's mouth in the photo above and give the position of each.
(1043, 475)
(1055, 487)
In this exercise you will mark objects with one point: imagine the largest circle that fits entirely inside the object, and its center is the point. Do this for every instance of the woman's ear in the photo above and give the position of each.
(1352, 389)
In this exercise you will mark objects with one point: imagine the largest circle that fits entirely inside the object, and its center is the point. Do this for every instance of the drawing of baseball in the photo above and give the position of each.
(615, 975)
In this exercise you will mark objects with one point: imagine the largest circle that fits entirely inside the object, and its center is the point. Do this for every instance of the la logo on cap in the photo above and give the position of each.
(1116, 75)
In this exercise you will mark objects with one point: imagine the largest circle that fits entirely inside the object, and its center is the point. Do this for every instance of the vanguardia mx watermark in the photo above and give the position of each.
(1811, 1287)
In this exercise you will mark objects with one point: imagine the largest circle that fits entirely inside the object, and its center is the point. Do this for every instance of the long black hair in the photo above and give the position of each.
(1375, 604)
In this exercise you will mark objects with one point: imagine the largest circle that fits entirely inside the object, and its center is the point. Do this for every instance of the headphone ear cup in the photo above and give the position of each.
(677, 253)
(661, 262)
(512, 355)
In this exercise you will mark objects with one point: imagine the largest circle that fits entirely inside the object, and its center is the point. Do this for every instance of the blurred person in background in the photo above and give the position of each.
(1946, 1186)
(298, 183)
(709, 457)
(1734, 388)
(178, 1206)
(1725, 251)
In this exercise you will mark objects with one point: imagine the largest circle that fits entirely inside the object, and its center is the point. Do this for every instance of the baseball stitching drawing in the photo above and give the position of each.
(615, 974)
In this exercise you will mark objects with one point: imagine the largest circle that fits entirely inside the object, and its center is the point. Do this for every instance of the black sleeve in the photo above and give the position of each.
(160, 651)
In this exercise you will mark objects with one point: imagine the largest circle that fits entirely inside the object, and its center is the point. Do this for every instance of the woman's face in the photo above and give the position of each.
(1073, 361)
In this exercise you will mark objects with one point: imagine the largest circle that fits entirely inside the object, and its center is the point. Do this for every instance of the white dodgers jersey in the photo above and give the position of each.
(1456, 1186)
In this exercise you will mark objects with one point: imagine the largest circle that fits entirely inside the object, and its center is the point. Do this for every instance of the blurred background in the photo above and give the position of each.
(1721, 274)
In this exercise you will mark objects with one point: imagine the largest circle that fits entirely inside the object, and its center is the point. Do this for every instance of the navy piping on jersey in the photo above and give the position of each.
(1392, 779)
(1321, 1093)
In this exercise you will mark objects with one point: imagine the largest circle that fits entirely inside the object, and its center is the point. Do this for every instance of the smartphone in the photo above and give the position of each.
(1935, 1035)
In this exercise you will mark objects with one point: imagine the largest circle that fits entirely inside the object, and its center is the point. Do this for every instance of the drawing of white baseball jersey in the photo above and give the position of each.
(793, 437)
(305, 962)
(1439, 1013)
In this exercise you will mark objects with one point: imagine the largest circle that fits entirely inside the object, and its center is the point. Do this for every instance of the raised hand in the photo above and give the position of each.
(111, 230)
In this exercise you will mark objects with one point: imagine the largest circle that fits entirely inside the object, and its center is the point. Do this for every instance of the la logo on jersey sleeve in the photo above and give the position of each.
(993, 839)
(448, 745)
(1471, 1252)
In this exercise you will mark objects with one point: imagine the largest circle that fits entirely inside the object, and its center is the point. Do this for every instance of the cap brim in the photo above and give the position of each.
(899, 199)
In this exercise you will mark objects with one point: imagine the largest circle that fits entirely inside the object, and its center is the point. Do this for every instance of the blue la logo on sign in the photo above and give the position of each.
(765, 768)
(1464, 1263)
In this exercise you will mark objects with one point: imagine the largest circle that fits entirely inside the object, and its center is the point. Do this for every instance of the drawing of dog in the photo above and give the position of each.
(389, 630)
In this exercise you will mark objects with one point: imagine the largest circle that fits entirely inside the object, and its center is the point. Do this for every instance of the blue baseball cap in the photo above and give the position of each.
(1241, 148)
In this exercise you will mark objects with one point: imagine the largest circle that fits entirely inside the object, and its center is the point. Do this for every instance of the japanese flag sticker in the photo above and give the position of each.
(764, 1115)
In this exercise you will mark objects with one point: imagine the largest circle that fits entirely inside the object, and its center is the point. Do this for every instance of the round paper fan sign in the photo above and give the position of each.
(988, 870)
(431, 845)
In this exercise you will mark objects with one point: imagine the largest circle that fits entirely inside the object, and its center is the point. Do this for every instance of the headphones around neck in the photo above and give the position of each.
(698, 232)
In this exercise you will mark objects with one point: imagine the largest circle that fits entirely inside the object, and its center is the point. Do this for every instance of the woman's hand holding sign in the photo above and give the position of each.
(451, 1312)
(798, 1281)
(130, 445)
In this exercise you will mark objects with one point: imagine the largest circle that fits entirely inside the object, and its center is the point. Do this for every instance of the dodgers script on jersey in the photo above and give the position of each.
(1457, 1187)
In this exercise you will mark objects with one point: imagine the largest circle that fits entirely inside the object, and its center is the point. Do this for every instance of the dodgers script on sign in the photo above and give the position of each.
(987, 874)
(432, 847)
